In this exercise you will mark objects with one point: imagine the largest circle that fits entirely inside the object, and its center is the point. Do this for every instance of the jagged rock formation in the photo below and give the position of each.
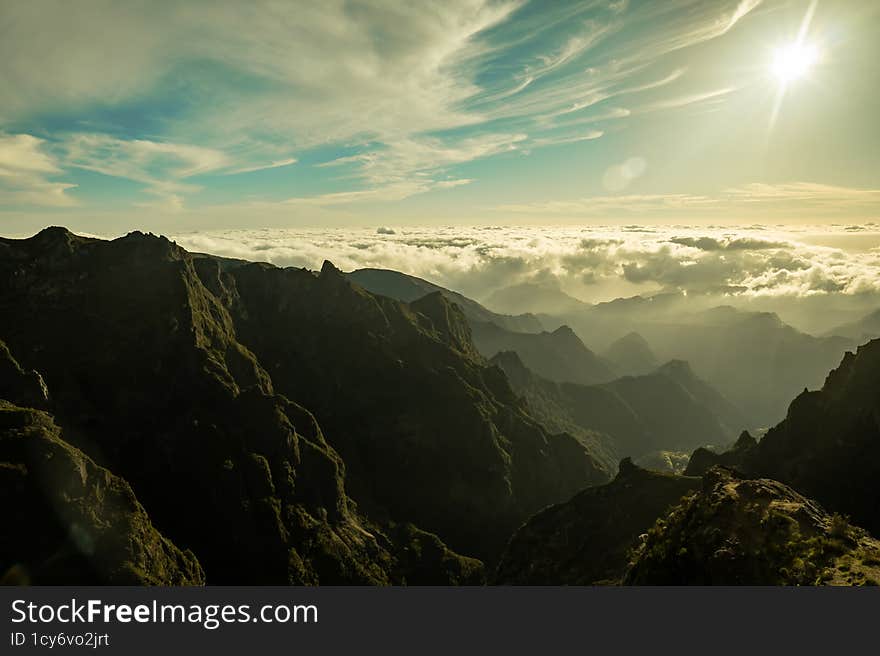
(703, 459)
(738, 531)
(71, 522)
(26, 388)
(588, 539)
(429, 433)
(406, 288)
(631, 355)
(828, 446)
(631, 416)
(148, 378)
(558, 356)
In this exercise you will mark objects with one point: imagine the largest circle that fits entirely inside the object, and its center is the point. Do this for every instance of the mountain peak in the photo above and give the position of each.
(677, 369)
(329, 269)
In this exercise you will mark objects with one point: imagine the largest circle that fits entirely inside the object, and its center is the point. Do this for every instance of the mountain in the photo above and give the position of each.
(428, 431)
(70, 521)
(560, 356)
(828, 446)
(866, 328)
(147, 378)
(588, 539)
(536, 298)
(754, 359)
(739, 531)
(564, 408)
(680, 410)
(408, 288)
(729, 415)
(669, 409)
(631, 355)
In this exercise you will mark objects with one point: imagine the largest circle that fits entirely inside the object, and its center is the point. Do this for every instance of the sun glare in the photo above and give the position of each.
(794, 61)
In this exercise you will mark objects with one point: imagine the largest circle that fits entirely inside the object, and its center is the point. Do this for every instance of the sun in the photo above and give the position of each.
(794, 61)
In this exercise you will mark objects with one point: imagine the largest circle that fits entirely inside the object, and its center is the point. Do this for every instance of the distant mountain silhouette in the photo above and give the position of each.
(559, 355)
(866, 328)
(631, 355)
(669, 409)
(536, 298)
(408, 288)
(754, 359)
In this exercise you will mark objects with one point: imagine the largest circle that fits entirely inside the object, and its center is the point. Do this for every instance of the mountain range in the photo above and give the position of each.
(176, 373)
(668, 409)
(176, 418)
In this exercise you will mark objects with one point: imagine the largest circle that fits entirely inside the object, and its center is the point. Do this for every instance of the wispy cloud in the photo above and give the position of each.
(161, 166)
(775, 199)
(25, 171)
(412, 90)
(262, 167)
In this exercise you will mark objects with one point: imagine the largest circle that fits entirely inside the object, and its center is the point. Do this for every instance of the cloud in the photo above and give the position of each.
(262, 167)
(25, 171)
(406, 91)
(781, 200)
(806, 192)
(594, 264)
(729, 244)
(161, 166)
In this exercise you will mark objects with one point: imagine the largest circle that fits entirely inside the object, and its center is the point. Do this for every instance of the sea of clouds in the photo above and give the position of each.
(593, 264)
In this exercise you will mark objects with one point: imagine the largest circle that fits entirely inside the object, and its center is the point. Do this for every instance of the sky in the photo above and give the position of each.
(179, 117)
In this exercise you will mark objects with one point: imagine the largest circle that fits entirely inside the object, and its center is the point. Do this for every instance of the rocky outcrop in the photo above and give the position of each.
(69, 521)
(19, 386)
(738, 531)
(588, 539)
(702, 460)
(828, 446)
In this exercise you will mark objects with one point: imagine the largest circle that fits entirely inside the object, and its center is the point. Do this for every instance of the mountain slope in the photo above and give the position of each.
(148, 378)
(407, 288)
(738, 531)
(669, 409)
(758, 362)
(828, 446)
(429, 433)
(560, 408)
(560, 356)
(588, 539)
(72, 522)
